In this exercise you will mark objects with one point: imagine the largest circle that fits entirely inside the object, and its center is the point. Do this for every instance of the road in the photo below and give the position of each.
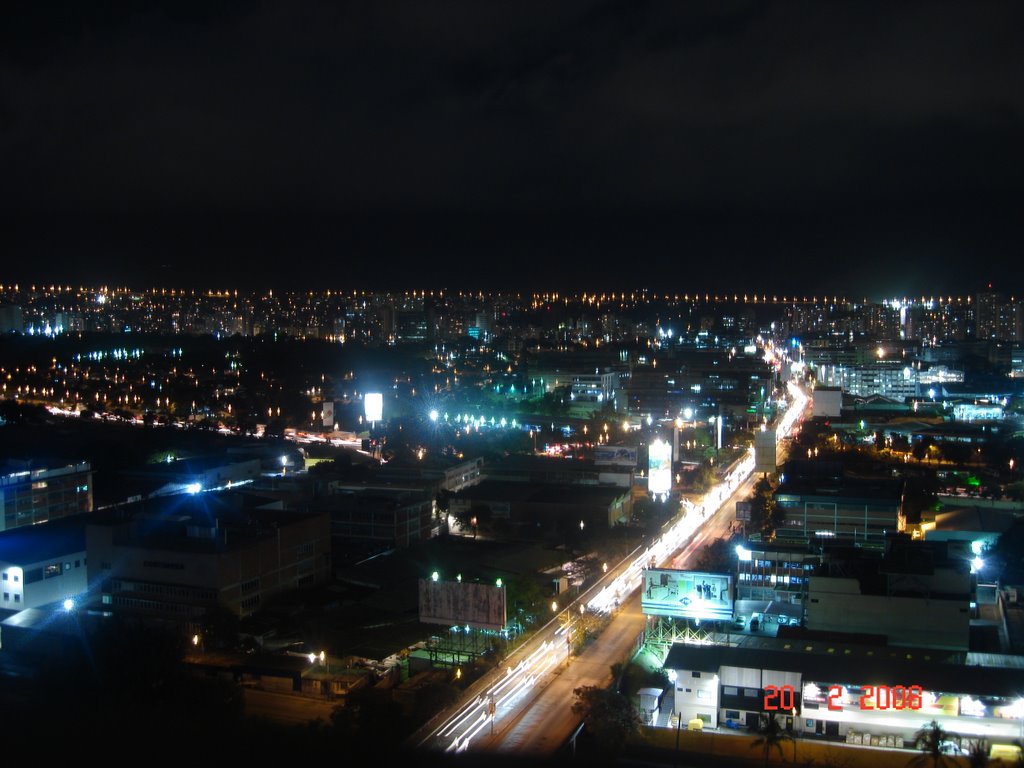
(528, 707)
(546, 721)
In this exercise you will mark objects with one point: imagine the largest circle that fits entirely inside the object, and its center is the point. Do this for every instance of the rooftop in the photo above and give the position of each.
(46, 541)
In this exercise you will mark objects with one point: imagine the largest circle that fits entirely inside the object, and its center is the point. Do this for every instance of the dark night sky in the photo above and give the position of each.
(856, 148)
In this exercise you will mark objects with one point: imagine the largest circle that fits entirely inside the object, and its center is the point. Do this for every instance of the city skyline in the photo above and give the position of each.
(753, 147)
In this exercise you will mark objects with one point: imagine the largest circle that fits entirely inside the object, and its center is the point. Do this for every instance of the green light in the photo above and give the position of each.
(498, 582)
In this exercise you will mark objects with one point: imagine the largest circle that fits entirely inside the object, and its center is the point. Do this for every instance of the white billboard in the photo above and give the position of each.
(686, 594)
(327, 413)
(765, 447)
(659, 476)
(373, 404)
(620, 455)
(462, 603)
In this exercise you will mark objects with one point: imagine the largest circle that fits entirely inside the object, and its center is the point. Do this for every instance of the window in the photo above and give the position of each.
(53, 569)
(78, 563)
(67, 566)
(5, 575)
(696, 674)
(7, 596)
(16, 577)
(17, 597)
(107, 600)
(702, 694)
(732, 714)
(729, 690)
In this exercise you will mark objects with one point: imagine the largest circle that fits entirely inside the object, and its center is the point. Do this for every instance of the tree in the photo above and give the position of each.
(764, 512)
(977, 757)
(703, 477)
(930, 740)
(770, 735)
(609, 715)
(715, 557)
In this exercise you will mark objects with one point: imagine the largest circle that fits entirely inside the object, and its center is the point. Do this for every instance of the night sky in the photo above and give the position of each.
(854, 148)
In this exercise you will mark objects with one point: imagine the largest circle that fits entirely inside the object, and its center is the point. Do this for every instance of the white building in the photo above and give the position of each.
(42, 564)
(889, 379)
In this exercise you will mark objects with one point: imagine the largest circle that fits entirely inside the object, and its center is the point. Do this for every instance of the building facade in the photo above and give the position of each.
(36, 495)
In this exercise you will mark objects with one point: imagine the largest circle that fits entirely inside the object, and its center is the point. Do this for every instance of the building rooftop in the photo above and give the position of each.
(197, 522)
(46, 541)
(542, 493)
(979, 519)
(836, 662)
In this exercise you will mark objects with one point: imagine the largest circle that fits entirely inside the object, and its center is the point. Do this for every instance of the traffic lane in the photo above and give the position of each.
(715, 527)
(544, 724)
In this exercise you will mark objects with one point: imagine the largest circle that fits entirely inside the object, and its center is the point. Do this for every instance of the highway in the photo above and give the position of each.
(528, 707)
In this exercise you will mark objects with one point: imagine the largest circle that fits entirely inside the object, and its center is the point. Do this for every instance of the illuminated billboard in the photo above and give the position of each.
(373, 404)
(463, 603)
(686, 594)
(618, 455)
(659, 476)
(327, 412)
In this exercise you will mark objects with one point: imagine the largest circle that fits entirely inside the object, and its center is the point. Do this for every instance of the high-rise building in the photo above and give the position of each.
(30, 495)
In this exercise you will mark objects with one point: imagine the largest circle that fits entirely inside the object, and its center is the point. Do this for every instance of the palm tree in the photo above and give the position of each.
(770, 736)
(978, 755)
(930, 739)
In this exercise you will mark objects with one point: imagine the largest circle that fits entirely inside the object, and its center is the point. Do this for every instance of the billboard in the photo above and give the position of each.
(764, 451)
(743, 511)
(327, 413)
(463, 603)
(619, 455)
(659, 477)
(686, 594)
(373, 405)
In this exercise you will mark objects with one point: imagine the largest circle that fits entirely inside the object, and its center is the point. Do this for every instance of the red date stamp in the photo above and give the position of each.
(873, 697)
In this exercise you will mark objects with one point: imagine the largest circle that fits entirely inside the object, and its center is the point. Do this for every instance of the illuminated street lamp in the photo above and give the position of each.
(554, 606)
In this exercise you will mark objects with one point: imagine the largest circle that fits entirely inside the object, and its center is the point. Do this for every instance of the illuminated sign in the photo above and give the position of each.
(659, 476)
(373, 403)
(686, 594)
(328, 413)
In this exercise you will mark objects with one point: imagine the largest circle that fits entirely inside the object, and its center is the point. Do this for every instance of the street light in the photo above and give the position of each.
(554, 606)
